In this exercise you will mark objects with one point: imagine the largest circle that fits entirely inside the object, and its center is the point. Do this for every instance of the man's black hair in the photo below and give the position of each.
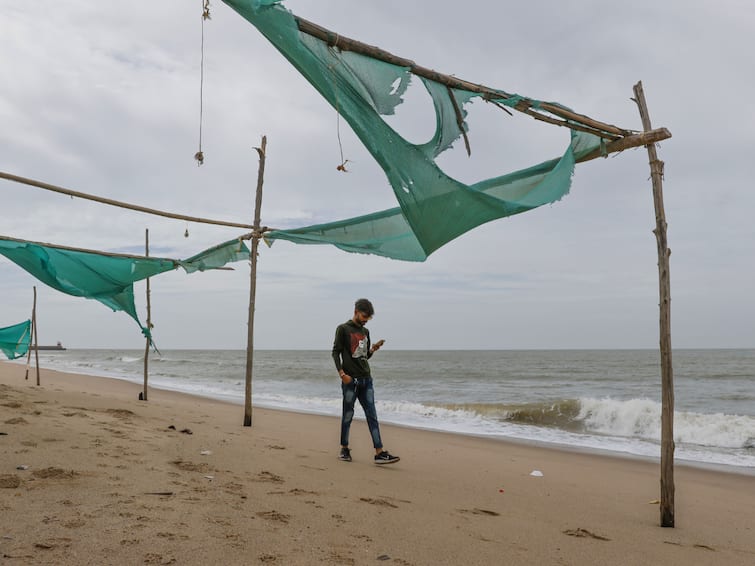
(365, 306)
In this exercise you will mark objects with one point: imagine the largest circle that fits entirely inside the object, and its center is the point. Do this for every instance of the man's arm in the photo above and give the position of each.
(338, 352)
(375, 347)
(338, 348)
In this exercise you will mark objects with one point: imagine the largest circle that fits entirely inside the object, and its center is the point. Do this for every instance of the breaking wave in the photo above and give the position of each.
(634, 418)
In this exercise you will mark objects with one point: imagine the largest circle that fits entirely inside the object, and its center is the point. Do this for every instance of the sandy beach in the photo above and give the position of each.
(89, 474)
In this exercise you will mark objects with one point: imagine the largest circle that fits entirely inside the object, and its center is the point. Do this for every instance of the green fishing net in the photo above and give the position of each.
(434, 208)
(15, 340)
(108, 278)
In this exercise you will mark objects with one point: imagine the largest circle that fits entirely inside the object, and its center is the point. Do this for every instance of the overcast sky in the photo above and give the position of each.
(103, 97)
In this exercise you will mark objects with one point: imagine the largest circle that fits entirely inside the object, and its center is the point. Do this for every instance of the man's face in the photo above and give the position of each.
(361, 318)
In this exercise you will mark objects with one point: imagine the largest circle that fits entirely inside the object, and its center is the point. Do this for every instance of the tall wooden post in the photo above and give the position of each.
(149, 320)
(253, 285)
(667, 373)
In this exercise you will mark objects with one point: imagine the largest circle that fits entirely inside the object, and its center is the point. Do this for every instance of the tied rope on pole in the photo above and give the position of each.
(199, 156)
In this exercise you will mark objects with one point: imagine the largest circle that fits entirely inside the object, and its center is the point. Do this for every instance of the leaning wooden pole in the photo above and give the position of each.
(34, 332)
(28, 355)
(31, 335)
(667, 373)
(149, 321)
(253, 285)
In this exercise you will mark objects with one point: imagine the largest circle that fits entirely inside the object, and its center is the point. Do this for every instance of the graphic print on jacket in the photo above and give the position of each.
(358, 345)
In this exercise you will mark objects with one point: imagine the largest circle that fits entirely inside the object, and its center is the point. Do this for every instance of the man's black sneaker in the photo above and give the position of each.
(345, 455)
(385, 458)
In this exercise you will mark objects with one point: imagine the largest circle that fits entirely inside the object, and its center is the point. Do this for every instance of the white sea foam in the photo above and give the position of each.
(641, 418)
(634, 418)
(724, 431)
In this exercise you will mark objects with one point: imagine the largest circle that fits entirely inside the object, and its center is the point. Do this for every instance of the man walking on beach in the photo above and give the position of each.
(351, 350)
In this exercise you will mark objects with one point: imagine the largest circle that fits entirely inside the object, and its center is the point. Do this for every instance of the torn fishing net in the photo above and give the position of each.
(15, 339)
(108, 278)
(434, 208)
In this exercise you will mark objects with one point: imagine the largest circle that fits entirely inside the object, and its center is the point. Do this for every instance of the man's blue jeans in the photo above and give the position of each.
(361, 389)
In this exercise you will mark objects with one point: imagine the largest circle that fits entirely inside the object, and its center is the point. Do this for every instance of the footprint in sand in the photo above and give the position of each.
(76, 414)
(478, 511)
(274, 516)
(51, 543)
(74, 524)
(10, 481)
(154, 558)
(381, 502)
(583, 533)
(265, 476)
(191, 467)
(54, 473)
(172, 536)
(123, 415)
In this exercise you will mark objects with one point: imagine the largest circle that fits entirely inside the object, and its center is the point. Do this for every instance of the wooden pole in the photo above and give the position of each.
(72, 249)
(28, 356)
(571, 119)
(34, 332)
(31, 336)
(253, 285)
(636, 140)
(667, 374)
(111, 202)
(149, 321)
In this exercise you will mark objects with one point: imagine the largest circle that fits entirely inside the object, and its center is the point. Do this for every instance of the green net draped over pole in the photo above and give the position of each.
(15, 340)
(434, 208)
(108, 278)
(216, 257)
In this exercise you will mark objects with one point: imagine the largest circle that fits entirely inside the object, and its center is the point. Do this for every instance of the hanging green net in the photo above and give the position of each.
(433, 207)
(15, 340)
(108, 278)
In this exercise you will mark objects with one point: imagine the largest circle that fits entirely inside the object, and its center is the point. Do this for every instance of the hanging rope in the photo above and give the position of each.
(333, 46)
(199, 156)
(342, 166)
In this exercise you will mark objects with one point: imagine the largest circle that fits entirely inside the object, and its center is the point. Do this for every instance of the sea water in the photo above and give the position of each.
(591, 399)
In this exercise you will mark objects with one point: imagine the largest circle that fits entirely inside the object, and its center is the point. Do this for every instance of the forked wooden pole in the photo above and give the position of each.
(253, 284)
(667, 373)
(149, 321)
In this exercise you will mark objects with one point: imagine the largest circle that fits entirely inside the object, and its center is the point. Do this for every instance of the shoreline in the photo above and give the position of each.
(109, 481)
(546, 445)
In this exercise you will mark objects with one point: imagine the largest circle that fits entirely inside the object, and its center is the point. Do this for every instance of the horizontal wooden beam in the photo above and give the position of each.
(649, 137)
(111, 202)
(83, 250)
